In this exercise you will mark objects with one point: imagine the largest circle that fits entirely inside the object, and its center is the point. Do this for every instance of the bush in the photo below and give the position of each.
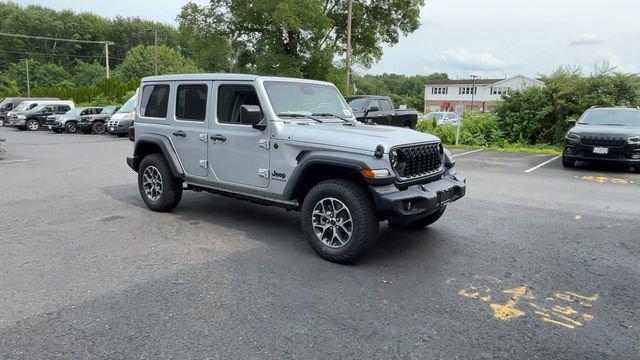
(476, 130)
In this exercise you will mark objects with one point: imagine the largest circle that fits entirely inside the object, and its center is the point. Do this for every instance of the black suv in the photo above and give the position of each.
(610, 134)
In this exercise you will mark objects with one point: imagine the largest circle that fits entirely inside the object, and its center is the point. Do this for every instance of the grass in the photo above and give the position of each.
(550, 149)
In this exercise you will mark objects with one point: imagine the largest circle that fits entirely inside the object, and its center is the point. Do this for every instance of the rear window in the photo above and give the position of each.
(191, 102)
(155, 100)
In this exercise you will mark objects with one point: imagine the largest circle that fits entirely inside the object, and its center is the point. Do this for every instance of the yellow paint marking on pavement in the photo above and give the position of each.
(558, 323)
(603, 180)
(508, 310)
(577, 323)
(564, 310)
(587, 298)
(587, 317)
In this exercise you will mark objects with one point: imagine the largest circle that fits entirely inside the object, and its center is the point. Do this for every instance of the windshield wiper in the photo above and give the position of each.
(330, 115)
(300, 116)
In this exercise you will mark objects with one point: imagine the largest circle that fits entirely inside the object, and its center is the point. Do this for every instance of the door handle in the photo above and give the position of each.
(180, 133)
(218, 137)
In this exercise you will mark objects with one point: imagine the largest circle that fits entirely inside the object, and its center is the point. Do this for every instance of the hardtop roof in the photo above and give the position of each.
(225, 77)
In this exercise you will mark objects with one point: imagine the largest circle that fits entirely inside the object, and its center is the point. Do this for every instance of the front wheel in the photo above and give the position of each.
(32, 125)
(568, 163)
(160, 190)
(71, 128)
(339, 220)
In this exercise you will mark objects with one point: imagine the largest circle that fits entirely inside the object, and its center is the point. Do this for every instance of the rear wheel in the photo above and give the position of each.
(71, 128)
(160, 190)
(32, 125)
(98, 127)
(339, 220)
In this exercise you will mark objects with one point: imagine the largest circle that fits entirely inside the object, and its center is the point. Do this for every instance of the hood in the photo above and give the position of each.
(606, 130)
(358, 136)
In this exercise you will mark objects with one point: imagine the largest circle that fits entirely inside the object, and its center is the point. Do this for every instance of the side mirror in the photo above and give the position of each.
(252, 115)
(373, 109)
(571, 123)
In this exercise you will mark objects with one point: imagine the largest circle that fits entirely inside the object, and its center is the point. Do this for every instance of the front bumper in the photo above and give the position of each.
(55, 125)
(625, 155)
(121, 127)
(417, 201)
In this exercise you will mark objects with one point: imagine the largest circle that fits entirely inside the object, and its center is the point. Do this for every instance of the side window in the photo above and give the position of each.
(155, 99)
(191, 102)
(385, 105)
(62, 109)
(231, 98)
(85, 112)
(50, 108)
(374, 104)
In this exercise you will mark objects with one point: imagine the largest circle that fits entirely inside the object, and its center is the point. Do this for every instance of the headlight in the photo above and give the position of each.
(21, 116)
(449, 161)
(397, 161)
(573, 138)
(634, 141)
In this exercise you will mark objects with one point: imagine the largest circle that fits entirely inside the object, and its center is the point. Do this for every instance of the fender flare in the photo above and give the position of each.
(165, 146)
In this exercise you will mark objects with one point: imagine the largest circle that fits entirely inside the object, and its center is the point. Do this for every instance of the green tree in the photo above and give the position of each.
(40, 75)
(139, 62)
(87, 74)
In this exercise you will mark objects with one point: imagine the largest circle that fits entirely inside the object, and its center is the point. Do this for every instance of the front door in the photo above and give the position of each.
(189, 133)
(239, 154)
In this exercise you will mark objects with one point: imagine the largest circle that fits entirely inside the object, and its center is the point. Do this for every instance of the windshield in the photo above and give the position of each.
(611, 117)
(108, 110)
(24, 106)
(128, 107)
(291, 98)
(357, 103)
(75, 111)
(437, 116)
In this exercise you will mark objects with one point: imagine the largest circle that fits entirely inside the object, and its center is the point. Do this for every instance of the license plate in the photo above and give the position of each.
(446, 196)
(601, 150)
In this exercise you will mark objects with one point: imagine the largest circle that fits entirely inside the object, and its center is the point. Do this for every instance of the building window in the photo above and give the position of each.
(439, 90)
(468, 90)
(499, 90)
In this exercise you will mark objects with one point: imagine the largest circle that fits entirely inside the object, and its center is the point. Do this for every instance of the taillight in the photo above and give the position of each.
(132, 133)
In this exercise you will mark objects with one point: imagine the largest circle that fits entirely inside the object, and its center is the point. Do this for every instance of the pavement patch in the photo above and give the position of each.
(606, 180)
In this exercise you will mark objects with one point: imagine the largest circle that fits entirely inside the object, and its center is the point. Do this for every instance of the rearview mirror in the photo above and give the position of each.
(252, 115)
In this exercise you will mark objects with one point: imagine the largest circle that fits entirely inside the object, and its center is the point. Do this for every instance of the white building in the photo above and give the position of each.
(441, 95)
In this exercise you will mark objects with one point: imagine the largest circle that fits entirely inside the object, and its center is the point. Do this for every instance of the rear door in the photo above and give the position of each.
(239, 154)
(191, 115)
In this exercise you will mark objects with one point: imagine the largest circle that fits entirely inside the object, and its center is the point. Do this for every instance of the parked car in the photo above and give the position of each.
(24, 106)
(380, 110)
(122, 120)
(605, 134)
(35, 118)
(10, 103)
(96, 123)
(69, 121)
(293, 143)
(443, 117)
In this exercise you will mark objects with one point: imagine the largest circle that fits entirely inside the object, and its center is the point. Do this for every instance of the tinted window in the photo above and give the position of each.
(357, 103)
(385, 105)
(628, 117)
(63, 108)
(191, 102)
(230, 98)
(374, 104)
(155, 99)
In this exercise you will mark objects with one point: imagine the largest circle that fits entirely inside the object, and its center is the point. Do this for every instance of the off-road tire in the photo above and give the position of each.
(32, 125)
(423, 222)
(98, 127)
(363, 215)
(568, 163)
(171, 186)
(71, 128)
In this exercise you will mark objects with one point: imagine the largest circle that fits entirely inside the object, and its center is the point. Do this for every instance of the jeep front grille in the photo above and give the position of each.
(419, 160)
(602, 141)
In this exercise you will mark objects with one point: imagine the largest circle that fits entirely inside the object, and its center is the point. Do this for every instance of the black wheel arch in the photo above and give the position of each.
(156, 144)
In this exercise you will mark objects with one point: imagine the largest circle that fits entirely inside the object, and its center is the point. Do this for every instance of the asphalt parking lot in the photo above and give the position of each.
(537, 264)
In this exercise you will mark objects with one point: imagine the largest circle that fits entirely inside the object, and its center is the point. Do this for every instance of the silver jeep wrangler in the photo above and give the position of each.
(293, 143)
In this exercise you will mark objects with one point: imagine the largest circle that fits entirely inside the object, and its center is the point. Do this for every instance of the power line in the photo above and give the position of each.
(56, 39)
(59, 55)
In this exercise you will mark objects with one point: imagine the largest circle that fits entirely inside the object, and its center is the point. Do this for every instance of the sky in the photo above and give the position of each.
(489, 38)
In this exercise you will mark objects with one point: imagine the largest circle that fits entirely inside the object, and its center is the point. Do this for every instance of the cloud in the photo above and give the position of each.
(467, 60)
(587, 39)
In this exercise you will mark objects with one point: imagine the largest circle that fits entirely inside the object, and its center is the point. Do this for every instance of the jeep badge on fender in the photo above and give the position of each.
(343, 176)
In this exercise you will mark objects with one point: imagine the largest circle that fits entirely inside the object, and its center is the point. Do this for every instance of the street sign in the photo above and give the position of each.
(459, 109)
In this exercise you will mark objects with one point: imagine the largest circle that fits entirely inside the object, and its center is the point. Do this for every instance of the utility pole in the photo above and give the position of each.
(28, 81)
(106, 57)
(473, 89)
(349, 14)
(155, 49)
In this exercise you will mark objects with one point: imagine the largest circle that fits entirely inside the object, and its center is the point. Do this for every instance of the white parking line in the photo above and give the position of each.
(541, 165)
(467, 153)
(13, 161)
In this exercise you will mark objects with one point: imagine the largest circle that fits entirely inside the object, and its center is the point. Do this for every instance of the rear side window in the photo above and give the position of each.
(63, 108)
(191, 102)
(385, 105)
(155, 100)
(231, 98)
